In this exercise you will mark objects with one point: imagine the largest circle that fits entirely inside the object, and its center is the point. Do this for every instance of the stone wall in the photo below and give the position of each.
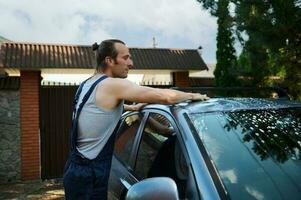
(10, 160)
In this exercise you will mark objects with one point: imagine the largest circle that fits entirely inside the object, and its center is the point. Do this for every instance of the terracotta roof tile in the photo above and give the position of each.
(36, 56)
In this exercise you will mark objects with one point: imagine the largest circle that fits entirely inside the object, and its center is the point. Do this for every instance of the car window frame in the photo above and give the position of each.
(130, 165)
(139, 137)
(180, 137)
(212, 171)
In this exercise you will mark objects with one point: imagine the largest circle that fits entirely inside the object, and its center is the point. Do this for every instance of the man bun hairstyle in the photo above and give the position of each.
(95, 46)
(105, 49)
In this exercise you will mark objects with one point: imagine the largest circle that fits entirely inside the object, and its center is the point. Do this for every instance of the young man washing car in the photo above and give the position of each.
(98, 108)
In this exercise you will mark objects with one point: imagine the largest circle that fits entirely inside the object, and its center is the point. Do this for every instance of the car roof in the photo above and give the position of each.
(226, 104)
(234, 104)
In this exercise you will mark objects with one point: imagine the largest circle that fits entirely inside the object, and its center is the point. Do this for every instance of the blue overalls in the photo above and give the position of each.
(85, 178)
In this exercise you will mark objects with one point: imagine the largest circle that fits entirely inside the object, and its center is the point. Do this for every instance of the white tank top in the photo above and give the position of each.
(95, 124)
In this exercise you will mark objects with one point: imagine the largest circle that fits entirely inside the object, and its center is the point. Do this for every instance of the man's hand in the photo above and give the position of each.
(135, 107)
(199, 97)
(138, 106)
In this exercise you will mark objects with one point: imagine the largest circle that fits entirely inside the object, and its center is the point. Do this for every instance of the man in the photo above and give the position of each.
(96, 115)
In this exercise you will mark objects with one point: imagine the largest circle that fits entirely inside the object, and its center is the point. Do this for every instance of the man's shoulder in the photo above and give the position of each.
(115, 81)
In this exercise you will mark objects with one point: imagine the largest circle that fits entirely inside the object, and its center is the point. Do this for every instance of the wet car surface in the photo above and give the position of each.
(225, 148)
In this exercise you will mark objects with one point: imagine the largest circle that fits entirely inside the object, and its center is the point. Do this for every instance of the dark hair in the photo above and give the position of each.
(104, 49)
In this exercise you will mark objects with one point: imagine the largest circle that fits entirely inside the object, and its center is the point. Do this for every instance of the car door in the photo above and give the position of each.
(122, 162)
(156, 132)
(159, 153)
(143, 143)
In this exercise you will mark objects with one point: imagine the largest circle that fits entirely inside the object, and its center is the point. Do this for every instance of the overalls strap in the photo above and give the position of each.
(76, 112)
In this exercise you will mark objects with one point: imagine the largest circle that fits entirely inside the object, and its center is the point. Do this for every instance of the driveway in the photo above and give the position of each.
(50, 189)
(34, 190)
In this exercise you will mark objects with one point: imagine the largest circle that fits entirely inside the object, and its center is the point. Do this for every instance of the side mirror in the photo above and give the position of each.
(153, 188)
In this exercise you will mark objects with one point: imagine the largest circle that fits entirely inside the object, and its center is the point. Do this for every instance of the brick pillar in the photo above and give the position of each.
(181, 79)
(29, 122)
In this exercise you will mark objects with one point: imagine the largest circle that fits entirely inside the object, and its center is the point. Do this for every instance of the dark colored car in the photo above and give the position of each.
(226, 148)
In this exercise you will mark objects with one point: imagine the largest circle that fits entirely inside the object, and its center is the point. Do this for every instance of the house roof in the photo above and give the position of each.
(34, 56)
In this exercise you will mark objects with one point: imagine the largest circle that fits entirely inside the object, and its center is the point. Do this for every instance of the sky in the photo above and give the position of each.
(174, 23)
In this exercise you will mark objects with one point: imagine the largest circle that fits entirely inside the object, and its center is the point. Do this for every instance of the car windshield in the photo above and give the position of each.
(256, 152)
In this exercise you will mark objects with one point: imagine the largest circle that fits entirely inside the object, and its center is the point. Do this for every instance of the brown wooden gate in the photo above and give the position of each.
(55, 123)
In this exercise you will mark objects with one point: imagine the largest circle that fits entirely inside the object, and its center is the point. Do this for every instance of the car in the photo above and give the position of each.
(223, 148)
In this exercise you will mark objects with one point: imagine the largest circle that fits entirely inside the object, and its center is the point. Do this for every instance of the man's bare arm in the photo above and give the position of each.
(124, 89)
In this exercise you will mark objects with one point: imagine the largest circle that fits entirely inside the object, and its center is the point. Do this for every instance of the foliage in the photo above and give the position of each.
(272, 27)
(244, 64)
(291, 58)
(226, 67)
(269, 31)
(252, 19)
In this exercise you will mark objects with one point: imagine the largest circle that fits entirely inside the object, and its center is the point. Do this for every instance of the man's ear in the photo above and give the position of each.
(109, 60)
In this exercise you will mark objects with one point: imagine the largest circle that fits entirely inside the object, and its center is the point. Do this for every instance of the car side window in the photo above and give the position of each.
(156, 132)
(125, 137)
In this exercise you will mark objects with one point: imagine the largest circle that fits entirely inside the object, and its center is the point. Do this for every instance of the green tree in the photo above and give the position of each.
(254, 23)
(271, 30)
(291, 59)
(287, 16)
(226, 70)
